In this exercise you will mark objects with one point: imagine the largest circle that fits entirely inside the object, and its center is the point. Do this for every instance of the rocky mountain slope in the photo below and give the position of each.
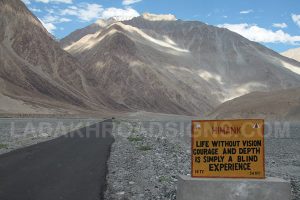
(161, 64)
(282, 104)
(132, 70)
(152, 63)
(36, 75)
(293, 54)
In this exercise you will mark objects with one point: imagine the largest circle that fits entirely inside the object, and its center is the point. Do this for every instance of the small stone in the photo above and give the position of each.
(121, 193)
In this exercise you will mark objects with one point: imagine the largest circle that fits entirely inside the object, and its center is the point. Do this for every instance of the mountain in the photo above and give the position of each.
(160, 64)
(93, 28)
(293, 54)
(36, 75)
(276, 105)
(131, 67)
(153, 63)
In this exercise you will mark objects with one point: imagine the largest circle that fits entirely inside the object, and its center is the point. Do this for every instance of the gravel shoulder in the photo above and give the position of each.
(146, 160)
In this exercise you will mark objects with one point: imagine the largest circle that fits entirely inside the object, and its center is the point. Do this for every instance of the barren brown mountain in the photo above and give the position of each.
(161, 64)
(293, 54)
(36, 75)
(152, 63)
(282, 104)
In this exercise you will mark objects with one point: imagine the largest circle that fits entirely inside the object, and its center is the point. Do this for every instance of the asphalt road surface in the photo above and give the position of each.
(71, 167)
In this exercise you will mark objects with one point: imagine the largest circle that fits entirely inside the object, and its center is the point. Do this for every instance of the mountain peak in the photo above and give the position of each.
(105, 22)
(155, 17)
(293, 54)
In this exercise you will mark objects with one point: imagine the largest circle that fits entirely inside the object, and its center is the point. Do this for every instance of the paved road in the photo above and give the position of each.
(71, 168)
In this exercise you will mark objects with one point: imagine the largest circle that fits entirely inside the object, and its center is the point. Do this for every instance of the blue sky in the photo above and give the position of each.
(274, 23)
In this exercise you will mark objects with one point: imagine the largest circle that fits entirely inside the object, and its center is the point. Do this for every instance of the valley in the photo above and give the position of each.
(151, 63)
(105, 112)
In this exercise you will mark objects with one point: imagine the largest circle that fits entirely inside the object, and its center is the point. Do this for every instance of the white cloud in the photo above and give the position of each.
(26, 2)
(49, 22)
(155, 17)
(35, 9)
(129, 2)
(84, 11)
(49, 26)
(120, 14)
(258, 34)
(55, 19)
(88, 12)
(50, 10)
(55, 1)
(280, 25)
(296, 19)
(246, 11)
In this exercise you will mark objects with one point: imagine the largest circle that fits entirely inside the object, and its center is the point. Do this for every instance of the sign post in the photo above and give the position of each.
(228, 149)
(228, 162)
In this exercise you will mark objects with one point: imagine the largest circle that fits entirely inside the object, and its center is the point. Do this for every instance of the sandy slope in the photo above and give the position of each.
(293, 53)
(282, 104)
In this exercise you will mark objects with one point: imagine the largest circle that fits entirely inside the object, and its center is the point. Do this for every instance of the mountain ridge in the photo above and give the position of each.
(293, 54)
(225, 64)
(274, 105)
(152, 63)
(34, 70)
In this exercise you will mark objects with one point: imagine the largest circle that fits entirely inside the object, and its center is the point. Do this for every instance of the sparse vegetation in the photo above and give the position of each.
(3, 146)
(135, 138)
(116, 121)
(134, 130)
(145, 148)
(163, 179)
(176, 147)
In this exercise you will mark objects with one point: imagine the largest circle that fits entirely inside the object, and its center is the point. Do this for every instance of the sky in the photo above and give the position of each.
(273, 23)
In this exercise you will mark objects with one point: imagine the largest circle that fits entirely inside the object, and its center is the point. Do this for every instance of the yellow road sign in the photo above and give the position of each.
(228, 148)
